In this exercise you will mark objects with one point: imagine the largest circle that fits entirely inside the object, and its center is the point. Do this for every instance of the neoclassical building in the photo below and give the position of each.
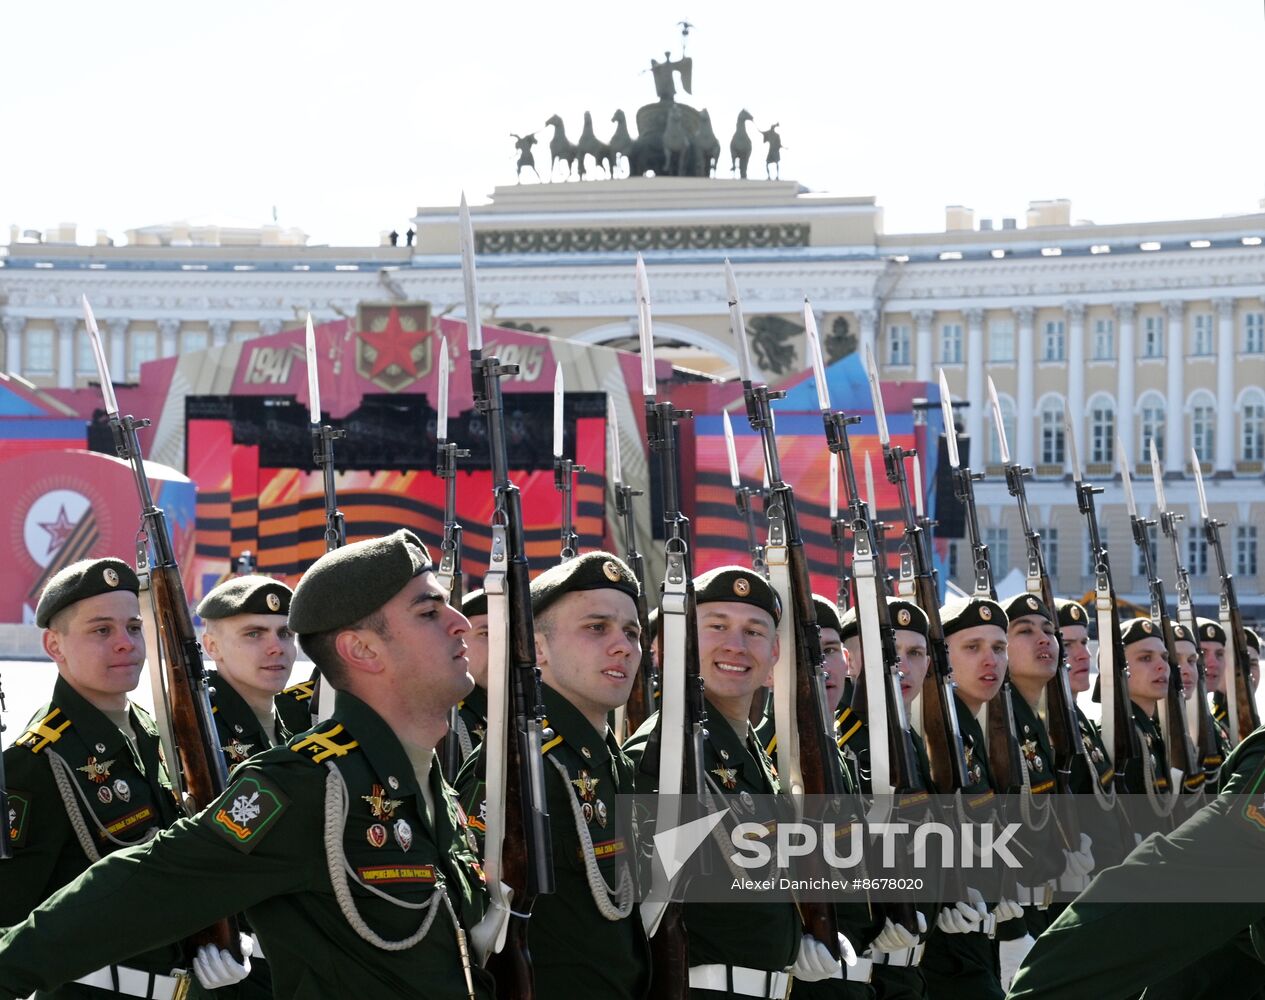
(1151, 331)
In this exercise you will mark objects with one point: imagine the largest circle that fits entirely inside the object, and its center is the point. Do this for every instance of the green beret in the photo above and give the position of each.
(850, 626)
(1181, 633)
(1137, 629)
(734, 583)
(81, 580)
(977, 611)
(474, 603)
(1210, 631)
(906, 615)
(590, 571)
(349, 584)
(827, 613)
(1252, 638)
(1071, 613)
(1026, 604)
(246, 595)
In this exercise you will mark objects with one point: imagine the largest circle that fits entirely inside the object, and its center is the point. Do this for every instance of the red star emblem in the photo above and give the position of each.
(58, 531)
(393, 345)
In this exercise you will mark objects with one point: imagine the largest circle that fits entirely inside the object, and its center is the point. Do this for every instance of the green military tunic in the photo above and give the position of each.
(1112, 950)
(472, 721)
(261, 848)
(573, 945)
(294, 705)
(754, 935)
(1108, 829)
(120, 796)
(1152, 763)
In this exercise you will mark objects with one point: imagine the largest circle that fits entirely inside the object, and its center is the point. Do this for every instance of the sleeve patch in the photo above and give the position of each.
(247, 811)
(1254, 809)
(18, 818)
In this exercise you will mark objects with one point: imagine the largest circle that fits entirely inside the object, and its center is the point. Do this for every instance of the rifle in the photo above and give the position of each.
(945, 753)
(6, 847)
(683, 712)
(641, 701)
(742, 500)
(1172, 711)
(563, 473)
(1241, 714)
(839, 535)
(449, 574)
(182, 701)
(518, 850)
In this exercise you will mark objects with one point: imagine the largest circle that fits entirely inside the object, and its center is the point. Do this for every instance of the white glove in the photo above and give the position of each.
(216, 967)
(963, 918)
(814, 962)
(896, 937)
(1007, 909)
(1079, 863)
(488, 935)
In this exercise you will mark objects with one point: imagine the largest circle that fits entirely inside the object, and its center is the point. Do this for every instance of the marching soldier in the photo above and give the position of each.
(1211, 638)
(735, 951)
(472, 714)
(344, 848)
(1147, 658)
(587, 647)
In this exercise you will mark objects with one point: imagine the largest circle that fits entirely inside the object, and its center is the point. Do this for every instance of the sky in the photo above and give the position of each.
(347, 117)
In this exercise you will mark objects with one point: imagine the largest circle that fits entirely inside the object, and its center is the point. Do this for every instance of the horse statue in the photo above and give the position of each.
(740, 145)
(560, 147)
(524, 143)
(591, 145)
(621, 142)
(774, 157)
(707, 145)
(676, 142)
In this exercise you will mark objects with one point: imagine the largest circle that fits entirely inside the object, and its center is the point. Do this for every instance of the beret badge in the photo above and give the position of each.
(611, 571)
(742, 586)
(111, 576)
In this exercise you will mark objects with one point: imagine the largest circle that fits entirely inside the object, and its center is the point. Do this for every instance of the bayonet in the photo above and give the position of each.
(564, 472)
(743, 496)
(998, 422)
(323, 438)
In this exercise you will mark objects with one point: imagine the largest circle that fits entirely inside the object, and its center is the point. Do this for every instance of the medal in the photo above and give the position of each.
(586, 785)
(377, 835)
(104, 795)
(97, 770)
(600, 808)
(403, 834)
(727, 775)
(122, 789)
(381, 807)
(238, 751)
(587, 810)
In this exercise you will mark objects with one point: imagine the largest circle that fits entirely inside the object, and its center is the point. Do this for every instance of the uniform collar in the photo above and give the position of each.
(93, 726)
(740, 752)
(379, 743)
(232, 709)
(476, 701)
(569, 724)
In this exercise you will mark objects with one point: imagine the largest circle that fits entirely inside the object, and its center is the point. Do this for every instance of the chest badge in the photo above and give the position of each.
(123, 790)
(1031, 755)
(97, 770)
(403, 834)
(728, 776)
(382, 808)
(376, 835)
(104, 795)
(586, 785)
(238, 751)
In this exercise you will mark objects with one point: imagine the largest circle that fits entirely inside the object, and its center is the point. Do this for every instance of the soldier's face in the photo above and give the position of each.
(255, 652)
(1033, 648)
(590, 650)
(852, 647)
(424, 659)
(911, 652)
(1214, 665)
(1076, 645)
(835, 662)
(1188, 660)
(1148, 671)
(737, 647)
(99, 648)
(477, 654)
(978, 657)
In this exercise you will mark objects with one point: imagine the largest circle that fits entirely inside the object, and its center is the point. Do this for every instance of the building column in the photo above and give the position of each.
(975, 392)
(1075, 312)
(1025, 396)
(1175, 418)
(219, 331)
(1226, 430)
(867, 321)
(1125, 361)
(116, 330)
(267, 327)
(168, 333)
(13, 327)
(922, 344)
(65, 351)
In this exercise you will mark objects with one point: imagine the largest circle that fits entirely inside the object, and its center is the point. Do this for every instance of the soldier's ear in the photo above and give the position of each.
(359, 651)
(52, 646)
(209, 645)
(542, 651)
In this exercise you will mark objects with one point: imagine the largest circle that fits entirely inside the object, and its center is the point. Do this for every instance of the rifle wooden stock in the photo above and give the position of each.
(6, 845)
(1247, 718)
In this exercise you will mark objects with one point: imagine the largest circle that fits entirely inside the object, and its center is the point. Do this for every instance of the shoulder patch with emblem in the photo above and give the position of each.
(247, 811)
(331, 742)
(45, 732)
(18, 818)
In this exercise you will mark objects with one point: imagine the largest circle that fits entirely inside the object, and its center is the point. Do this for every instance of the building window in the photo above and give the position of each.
(1153, 337)
(1245, 550)
(1254, 333)
(951, 343)
(898, 349)
(1090, 566)
(144, 348)
(1152, 543)
(1050, 551)
(1104, 339)
(85, 360)
(1102, 434)
(1010, 425)
(1254, 432)
(1151, 428)
(1052, 435)
(1053, 344)
(39, 352)
(998, 546)
(1203, 419)
(1196, 552)
(1001, 340)
(194, 340)
(1201, 338)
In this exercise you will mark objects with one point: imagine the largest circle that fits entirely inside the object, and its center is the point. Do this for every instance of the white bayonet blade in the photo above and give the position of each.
(869, 488)
(834, 486)
(918, 487)
(1126, 477)
(98, 352)
(313, 374)
(465, 229)
(876, 393)
(645, 331)
(1199, 484)
(445, 370)
(735, 477)
(1070, 437)
(612, 429)
(737, 325)
(558, 390)
(998, 424)
(950, 428)
(814, 355)
(1157, 475)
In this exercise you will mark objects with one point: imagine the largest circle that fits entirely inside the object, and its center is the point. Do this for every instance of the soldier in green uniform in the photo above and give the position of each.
(735, 951)
(1112, 950)
(1211, 638)
(345, 848)
(1147, 657)
(587, 647)
(472, 711)
(87, 778)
